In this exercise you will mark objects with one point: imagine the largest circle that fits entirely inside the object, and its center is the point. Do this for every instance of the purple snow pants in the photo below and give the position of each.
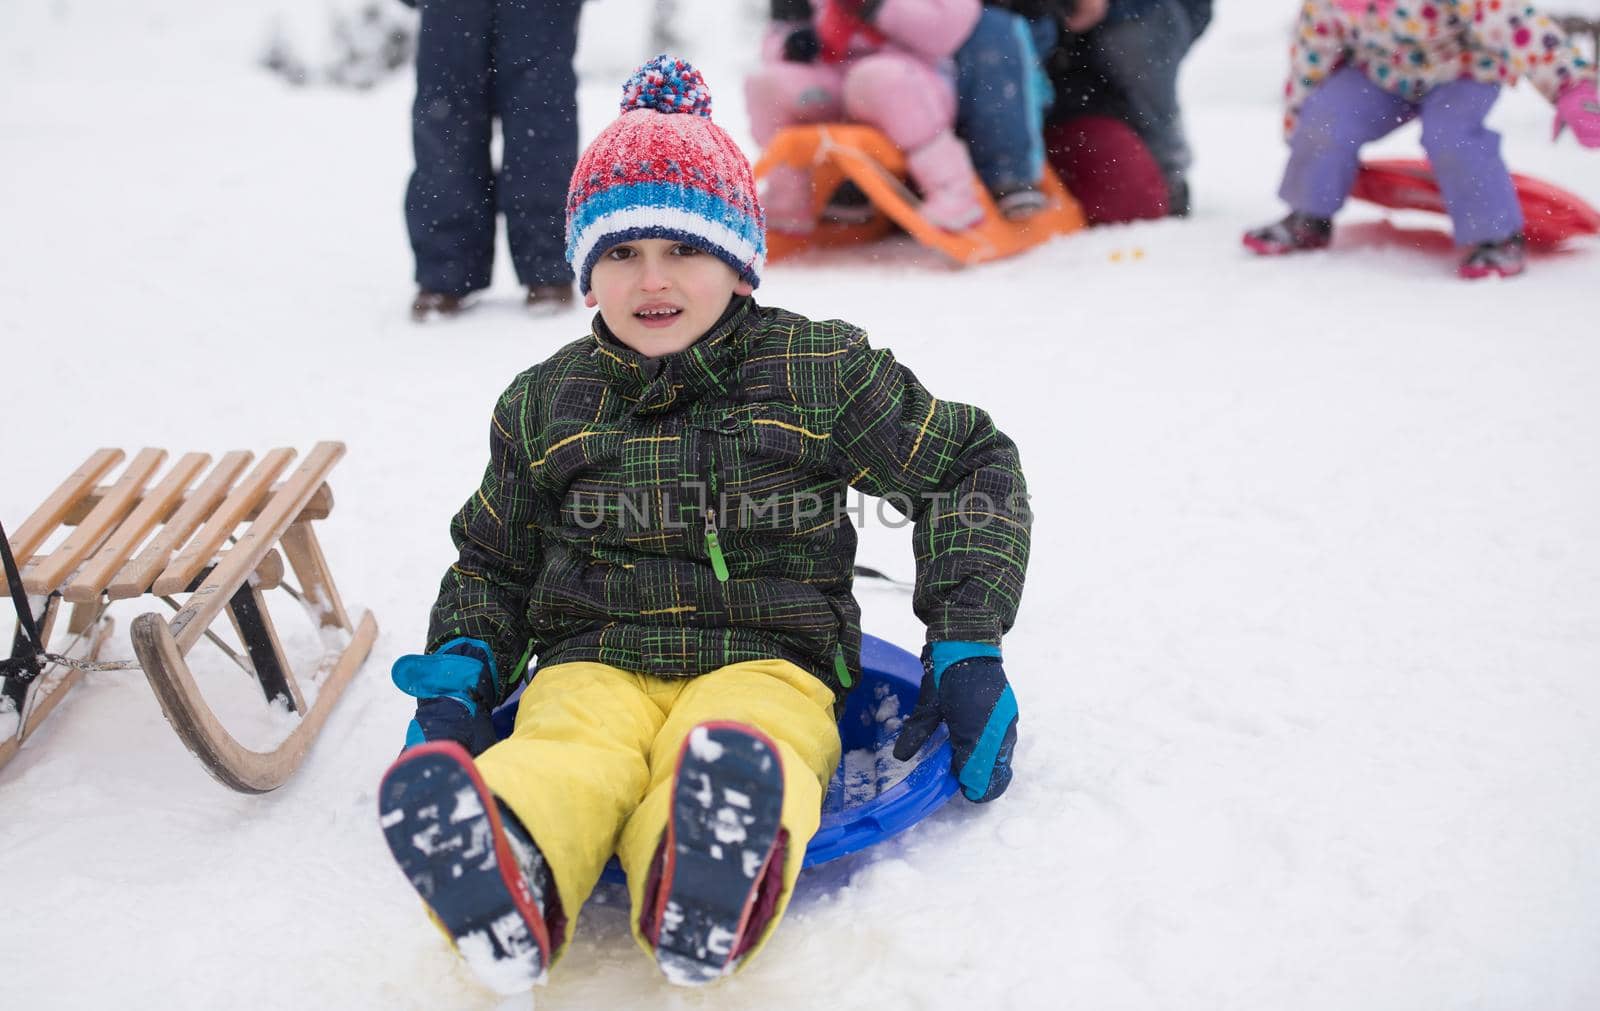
(1347, 110)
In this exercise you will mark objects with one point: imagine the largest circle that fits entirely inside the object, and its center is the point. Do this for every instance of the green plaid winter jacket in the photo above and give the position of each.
(676, 515)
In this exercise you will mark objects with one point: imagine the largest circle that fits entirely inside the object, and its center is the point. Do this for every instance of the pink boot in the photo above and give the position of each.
(786, 197)
(942, 169)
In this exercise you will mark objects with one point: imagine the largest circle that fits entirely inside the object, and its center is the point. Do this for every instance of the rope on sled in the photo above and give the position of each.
(90, 665)
(33, 658)
(866, 573)
(27, 666)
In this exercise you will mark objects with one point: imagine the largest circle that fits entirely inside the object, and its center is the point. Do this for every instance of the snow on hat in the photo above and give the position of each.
(663, 170)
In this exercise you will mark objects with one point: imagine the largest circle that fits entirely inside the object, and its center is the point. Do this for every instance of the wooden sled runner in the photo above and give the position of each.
(185, 532)
(836, 152)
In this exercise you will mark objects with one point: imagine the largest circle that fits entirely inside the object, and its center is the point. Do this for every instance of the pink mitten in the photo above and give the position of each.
(1579, 107)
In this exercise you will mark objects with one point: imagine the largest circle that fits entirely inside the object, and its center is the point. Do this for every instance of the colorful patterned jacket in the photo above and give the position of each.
(1410, 46)
(676, 515)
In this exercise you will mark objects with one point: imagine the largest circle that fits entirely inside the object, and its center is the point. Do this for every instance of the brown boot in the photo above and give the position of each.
(549, 299)
(429, 304)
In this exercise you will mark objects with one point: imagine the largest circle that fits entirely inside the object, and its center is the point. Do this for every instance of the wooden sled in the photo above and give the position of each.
(1550, 214)
(188, 555)
(835, 152)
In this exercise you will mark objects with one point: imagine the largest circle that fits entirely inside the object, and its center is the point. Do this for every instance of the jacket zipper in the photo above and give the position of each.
(719, 564)
(841, 670)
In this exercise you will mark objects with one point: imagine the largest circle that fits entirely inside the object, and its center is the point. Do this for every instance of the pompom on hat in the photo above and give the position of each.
(664, 170)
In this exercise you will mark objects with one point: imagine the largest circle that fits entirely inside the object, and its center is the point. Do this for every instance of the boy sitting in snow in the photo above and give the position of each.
(662, 522)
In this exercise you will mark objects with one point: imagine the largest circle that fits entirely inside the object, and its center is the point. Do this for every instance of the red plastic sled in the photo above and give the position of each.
(1551, 214)
(835, 152)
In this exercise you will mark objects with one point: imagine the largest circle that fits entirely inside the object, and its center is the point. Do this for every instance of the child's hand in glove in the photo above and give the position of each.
(965, 688)
(1579, 108)
(455, 692)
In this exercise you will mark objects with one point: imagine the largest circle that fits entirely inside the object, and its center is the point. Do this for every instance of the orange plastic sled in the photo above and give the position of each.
(835, 152)
(1550, 214)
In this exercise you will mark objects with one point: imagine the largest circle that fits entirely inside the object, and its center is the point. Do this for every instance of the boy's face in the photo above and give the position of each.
(658, 296)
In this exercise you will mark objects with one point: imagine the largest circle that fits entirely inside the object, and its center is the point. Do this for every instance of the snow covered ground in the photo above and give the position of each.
(1307, 665)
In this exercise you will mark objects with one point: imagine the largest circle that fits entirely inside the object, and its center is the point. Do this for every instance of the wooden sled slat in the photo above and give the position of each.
(136, 576)
(209, 600)
(45, 575)
(36, 528)
(95, 576)
(180, 572)
(318, 508)
(230, 762)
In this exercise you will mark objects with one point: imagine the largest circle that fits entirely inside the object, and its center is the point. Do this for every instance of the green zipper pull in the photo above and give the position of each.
(841, 670)
(719, 565)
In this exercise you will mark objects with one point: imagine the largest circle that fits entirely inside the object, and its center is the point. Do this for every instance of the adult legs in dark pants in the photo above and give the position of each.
(536, 98)
(1139, 55)
(450, 204)
(478, 59)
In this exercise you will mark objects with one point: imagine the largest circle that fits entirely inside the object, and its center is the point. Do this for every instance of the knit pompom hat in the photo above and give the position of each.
(663, 170)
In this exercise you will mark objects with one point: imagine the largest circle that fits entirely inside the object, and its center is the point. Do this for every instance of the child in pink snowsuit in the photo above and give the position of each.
(885, 63)
(1360, 68)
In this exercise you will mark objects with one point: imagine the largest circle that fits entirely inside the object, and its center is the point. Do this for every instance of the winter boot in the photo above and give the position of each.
(1293, 234)
(848, 206)
(430, 304)
(549, 299)
(1021, 203)
(482, 877)
(1501, 258)
(719, 872)
(1177, 197)
(787, 200)
(942, 170)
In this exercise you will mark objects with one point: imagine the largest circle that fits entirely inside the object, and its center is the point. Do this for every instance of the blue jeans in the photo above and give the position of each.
(1002, 94)
(478, 60)
(1347, 110)
(1140, 58)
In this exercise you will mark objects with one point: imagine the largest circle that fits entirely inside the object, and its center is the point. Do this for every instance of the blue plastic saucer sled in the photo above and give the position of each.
(868, 800)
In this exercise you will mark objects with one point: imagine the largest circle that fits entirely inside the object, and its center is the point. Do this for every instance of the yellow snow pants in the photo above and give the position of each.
(588, 769)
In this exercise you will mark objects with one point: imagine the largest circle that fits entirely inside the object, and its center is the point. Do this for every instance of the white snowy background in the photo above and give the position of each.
(1309, 663)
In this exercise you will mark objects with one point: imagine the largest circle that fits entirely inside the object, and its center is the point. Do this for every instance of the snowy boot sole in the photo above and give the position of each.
(727, 805)
(445, 831)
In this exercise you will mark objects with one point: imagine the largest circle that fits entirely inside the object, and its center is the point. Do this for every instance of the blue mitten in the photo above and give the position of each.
(455, 692)
(965, 688)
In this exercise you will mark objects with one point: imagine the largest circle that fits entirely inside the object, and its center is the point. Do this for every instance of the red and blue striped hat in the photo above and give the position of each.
(664, 170)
